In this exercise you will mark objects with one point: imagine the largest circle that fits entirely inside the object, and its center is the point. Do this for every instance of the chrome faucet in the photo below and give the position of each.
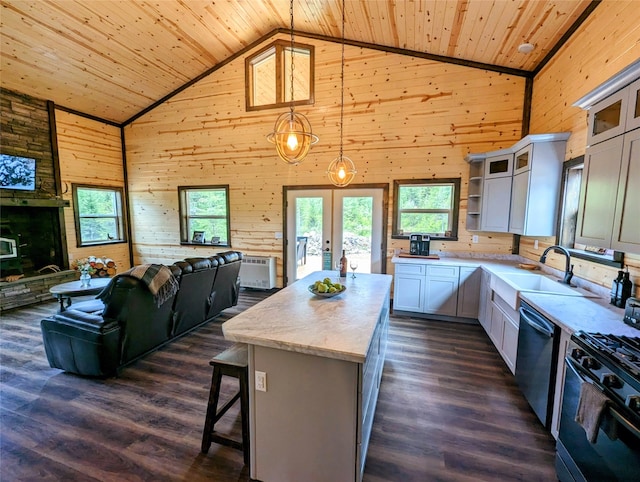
(568, 270)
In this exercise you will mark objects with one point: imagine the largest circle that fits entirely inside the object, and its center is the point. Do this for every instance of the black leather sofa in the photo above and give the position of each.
(97, 339)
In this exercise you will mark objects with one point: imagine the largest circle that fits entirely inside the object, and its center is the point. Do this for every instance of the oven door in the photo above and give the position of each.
(606, 460)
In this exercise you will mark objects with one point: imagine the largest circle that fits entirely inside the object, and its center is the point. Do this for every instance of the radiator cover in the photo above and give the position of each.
(258, 272)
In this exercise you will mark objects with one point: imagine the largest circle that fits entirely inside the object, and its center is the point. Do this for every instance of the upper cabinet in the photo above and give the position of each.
(610, 193)
(615, 115)
(521, 185)
(496, 198)
(535, 191)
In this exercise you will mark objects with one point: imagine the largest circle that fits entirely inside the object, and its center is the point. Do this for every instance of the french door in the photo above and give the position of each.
(323, 222)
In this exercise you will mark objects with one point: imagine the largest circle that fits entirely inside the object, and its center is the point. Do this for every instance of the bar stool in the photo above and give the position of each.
(232, 362)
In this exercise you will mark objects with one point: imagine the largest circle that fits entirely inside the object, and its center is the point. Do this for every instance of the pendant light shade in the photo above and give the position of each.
(341, 170)
(292, 136)
(292, 133)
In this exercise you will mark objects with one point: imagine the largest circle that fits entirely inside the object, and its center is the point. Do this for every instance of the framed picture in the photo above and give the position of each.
(198, 237)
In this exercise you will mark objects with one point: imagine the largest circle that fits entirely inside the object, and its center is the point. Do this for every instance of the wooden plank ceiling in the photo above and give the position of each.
(114, 58)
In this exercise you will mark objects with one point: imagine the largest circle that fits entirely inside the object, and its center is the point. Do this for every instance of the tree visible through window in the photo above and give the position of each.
(98, 215)
(204, 214)
(426, 206)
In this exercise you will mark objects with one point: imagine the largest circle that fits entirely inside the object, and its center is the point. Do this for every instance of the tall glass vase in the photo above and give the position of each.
(85, 279)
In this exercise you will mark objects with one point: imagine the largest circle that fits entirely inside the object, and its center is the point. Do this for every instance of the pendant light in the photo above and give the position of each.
(342, 170)
(292, 132)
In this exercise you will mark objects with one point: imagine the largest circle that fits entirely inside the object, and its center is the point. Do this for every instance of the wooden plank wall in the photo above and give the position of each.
(607, 43)
(90, 153)
(404, 118)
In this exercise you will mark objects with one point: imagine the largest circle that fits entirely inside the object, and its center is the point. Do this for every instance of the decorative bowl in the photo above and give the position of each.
(327, 295)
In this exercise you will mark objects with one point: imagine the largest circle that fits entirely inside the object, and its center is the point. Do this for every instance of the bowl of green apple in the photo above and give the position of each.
(326, 288)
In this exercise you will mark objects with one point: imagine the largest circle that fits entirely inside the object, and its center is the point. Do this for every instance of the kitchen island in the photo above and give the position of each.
(323, 360)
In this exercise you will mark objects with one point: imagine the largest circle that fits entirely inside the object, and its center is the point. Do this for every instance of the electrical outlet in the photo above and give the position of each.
(278, 234)
(535, 244)
(474, 238)
(261, 381)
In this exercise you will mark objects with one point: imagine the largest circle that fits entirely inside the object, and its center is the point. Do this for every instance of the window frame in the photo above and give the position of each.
(454, 211)
(280, 47)
(183, 208)
(120, 217)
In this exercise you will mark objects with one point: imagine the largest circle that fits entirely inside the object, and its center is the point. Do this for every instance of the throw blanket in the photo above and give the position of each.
(158, 278)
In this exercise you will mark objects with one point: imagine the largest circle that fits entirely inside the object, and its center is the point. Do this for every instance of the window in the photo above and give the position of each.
(98, 215)
(204, 215)
(426, 206)
(268, 76)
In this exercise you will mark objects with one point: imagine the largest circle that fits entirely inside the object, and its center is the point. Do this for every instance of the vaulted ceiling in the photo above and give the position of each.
(114, 58)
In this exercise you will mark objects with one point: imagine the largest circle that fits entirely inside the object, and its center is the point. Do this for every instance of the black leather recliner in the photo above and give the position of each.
(96, 339)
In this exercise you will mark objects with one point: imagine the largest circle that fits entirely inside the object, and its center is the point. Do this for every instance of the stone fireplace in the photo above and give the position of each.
(32, 219)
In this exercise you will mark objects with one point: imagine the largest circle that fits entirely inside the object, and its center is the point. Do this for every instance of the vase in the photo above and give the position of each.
(85, 280)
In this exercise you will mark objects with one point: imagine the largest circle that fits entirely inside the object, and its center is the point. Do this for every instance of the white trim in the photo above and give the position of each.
(614, 84)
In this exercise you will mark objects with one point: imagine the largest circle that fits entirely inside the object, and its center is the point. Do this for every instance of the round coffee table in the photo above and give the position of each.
(66, 291)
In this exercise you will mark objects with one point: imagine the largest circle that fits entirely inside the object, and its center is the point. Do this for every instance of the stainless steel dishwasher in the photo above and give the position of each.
(536, 361)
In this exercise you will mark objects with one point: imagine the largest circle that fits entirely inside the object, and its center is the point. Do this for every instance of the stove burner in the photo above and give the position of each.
(622, 350)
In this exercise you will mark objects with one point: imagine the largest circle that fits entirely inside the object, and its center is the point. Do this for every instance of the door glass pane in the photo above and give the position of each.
(357, 231)
(308, 235)
(607, 118)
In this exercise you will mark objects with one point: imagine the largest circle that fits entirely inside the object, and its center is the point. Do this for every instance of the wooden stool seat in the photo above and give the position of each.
(233, 362)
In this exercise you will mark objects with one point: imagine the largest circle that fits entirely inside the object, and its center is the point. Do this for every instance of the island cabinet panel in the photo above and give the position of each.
(305, 423)
(323, 359)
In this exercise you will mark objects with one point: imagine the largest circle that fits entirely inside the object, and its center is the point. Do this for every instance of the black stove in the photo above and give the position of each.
(612, 363)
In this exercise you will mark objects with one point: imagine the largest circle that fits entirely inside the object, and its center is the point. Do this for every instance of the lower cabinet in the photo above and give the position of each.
(441, 290)
(437, 289)
(503, 330)
(484, 304)
(408, 288)
(565, 338)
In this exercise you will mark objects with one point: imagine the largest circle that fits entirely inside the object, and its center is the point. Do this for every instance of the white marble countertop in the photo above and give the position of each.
(294, 319)
(574, 313)
(571, 313)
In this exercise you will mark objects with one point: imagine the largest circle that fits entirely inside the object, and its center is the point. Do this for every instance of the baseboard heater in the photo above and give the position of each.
(258, 272)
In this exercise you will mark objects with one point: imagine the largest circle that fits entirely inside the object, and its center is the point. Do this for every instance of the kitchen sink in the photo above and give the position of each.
(509, 286)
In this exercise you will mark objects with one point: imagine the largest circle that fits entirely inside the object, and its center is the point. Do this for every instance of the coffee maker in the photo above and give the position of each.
(419, 244)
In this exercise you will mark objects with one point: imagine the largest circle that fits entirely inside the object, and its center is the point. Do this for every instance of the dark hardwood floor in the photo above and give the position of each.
(449, 410)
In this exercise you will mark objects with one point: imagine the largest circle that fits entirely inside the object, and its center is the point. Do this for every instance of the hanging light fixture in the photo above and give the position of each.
(292, 132)
(342, 170)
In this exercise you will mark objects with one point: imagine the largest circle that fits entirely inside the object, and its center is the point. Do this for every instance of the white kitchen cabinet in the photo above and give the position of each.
(474, 196)
(504, 330)
(497, 326)
(437, 289)
(598, 193)
(441, 290)
(510, 343)
(626, 229)
(469, 292)
(409, 287)
(520, 186)
(633, 107)
(536, 186)
(607, 118)
(610, 194)
(496, 203)
(565, 338)
(484, 304)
